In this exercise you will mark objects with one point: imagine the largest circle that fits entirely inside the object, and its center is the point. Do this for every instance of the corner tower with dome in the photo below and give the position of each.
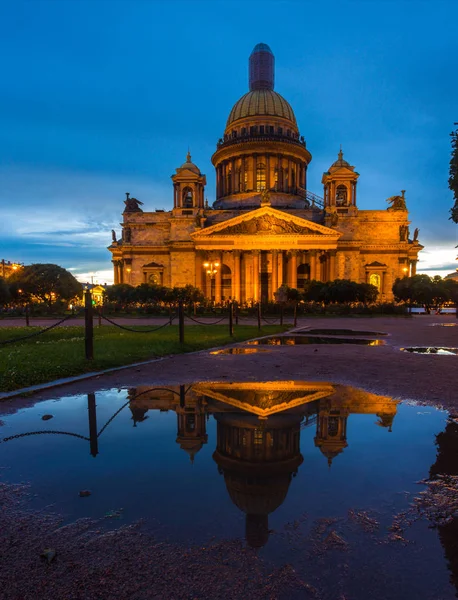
(264, 228)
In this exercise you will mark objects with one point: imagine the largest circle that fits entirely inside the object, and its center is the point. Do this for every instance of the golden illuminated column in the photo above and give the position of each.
(332, 265)
(199, 271)
(292, 269)
(275, 285)
(255, 281)
(280, 268)
(413, 268)
(236, 278)
(232, 176)
(268, 172)
(313, 264)
(219, 259)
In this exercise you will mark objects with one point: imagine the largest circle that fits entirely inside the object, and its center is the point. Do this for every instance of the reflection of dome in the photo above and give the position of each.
(258, 460)
(138, 414)
(261, 103)
(257, 495)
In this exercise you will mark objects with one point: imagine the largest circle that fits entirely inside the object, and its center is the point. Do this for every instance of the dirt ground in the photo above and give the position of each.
(384, 369)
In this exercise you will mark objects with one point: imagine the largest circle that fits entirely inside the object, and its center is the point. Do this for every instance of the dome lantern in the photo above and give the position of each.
(262, 68)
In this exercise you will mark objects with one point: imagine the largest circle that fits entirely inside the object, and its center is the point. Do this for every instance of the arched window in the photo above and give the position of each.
(260, 177)
(341, 195)
(187, 197)
(375, 279)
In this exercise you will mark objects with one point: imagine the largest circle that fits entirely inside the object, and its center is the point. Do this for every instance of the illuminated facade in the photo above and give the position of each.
(264, 228)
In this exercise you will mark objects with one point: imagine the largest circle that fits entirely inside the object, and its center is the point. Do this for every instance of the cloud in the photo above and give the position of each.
(66, 217)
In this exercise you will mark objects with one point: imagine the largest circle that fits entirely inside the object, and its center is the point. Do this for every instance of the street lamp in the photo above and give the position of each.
(212, 268)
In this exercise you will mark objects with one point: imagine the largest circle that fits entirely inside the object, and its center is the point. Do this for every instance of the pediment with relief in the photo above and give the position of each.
(266, 221)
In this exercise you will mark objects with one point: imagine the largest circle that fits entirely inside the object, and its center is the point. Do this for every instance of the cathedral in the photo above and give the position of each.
(264, 229)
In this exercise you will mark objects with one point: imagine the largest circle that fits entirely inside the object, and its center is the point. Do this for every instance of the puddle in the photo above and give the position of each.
(311, 475)
(295, 340)
(431, 350)
(238, 351)
(344, 332)
(443, 324)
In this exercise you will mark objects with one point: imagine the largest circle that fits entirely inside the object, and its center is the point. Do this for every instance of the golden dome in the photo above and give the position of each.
(259, 103)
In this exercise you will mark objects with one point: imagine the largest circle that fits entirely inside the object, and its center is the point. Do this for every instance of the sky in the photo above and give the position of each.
(103, 97)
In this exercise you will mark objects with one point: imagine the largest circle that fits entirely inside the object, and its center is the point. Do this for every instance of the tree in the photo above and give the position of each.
(121, 293)
(453, 179)
(47, 282)
(421, 289)
(5, 295)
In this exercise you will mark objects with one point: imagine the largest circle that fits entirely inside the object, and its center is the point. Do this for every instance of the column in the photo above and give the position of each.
(255, 276)
(255, 172)
(115, 272)
(218, 259)
(312, 262)
(268, 171)
(289, 175)
(199, 270)
(242, 184)
(332, 265)
(281, 278)
(293, 269)
(236, 276)
(232, 176)
(275, 285)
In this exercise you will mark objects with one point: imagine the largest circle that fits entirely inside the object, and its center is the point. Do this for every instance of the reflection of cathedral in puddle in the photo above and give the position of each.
(258, 433)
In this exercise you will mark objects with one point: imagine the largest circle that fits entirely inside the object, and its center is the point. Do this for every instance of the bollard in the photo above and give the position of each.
(182, 397)
(88, 326)
(99, 312)
(27, 316)
(231, 319)
(295, 314)
(281, 314)
(93, 437)
(170, 315)
(181, 321)
(236, 310)
(259, 315)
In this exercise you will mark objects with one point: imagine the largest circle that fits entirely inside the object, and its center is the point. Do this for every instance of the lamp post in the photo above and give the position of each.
(211, 270)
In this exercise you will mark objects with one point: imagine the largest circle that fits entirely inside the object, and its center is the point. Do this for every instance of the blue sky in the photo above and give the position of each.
(102, 97)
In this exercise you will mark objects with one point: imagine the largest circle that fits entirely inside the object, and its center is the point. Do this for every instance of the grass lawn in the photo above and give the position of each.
(60, 352)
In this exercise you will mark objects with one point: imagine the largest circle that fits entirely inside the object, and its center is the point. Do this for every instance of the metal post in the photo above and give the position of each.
(93, 437)
(88, 326)
(27, 320)
(99, 311)
(231, 319)
(281, 313)
(182, 396)
(181, 321)
(170, 315)
(295, 314)
(259, 315)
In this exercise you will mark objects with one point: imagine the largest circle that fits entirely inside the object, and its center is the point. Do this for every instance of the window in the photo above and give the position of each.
(260, 177)
(280, 131)
(253, 130)
(271, 129)
(261, 129)
(243, 130)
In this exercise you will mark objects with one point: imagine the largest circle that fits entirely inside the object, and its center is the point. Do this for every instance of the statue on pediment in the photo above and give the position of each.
(132, 204)
(397, 202)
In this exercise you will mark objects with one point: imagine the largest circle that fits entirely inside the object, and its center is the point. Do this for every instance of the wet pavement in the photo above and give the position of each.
(315, 476)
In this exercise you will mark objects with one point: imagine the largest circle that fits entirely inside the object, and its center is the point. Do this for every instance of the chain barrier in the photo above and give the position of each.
(21, 435)
(35, 333)
(270, 321)
(203, 322)
(137, 330)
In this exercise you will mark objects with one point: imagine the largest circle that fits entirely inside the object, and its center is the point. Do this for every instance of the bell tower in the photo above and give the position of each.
(340, 186)
(188, 188)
